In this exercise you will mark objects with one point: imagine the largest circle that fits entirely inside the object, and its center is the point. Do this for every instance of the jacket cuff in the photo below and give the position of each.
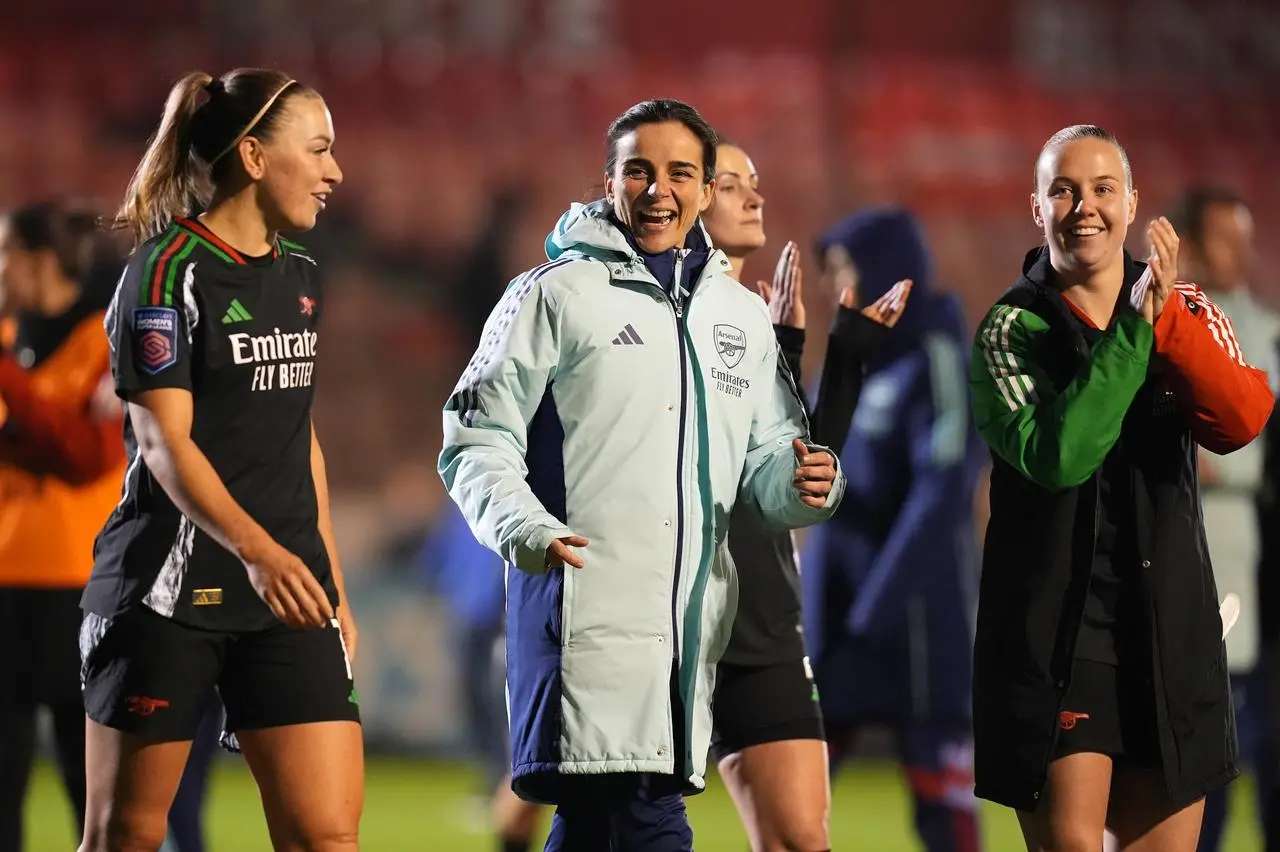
(791, 345)
(861, 334)
(531, 555)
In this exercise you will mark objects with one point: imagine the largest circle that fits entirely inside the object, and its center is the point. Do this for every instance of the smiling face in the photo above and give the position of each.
(735, 218)
(1084, 205)
(656, 187)
(297, 170)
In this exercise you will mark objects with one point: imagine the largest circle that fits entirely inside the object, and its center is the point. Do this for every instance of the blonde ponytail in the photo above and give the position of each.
(171, 179)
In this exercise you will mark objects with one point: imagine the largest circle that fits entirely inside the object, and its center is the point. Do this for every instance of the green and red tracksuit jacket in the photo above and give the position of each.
(1052, 407)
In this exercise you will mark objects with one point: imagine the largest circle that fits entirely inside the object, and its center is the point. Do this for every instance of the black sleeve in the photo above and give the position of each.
(853, 339)
(148, 327)
(791, 346)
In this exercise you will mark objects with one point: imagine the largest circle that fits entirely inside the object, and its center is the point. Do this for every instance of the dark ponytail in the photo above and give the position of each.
(193, 150)
(170, 180)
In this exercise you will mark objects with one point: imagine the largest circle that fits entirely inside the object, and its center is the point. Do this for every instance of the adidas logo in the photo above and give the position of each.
(236, 313)
(627, 337)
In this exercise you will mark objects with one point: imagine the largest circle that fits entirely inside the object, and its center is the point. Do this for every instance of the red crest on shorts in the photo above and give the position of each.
(1067, 720)
(143, 705)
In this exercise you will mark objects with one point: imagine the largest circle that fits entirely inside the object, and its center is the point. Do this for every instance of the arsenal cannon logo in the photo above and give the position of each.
(731, 344)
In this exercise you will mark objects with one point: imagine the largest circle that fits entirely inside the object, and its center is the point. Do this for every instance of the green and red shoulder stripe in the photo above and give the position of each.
(212, 241)
(161, 267)
(224, 250)
(184, 236)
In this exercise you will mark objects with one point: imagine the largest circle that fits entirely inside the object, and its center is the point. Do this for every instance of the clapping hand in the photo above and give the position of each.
(1163, 268)
(886, 310)
(785, 295)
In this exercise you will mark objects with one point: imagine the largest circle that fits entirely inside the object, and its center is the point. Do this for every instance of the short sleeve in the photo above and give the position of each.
(149, 328)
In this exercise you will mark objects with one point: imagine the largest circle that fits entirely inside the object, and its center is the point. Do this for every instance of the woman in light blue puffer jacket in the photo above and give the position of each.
(623, 397)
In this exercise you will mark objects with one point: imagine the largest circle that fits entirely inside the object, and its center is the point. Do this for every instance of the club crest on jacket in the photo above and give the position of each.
(731, 344)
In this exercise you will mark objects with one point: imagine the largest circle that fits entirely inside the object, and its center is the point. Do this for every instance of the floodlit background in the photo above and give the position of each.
(466, 126)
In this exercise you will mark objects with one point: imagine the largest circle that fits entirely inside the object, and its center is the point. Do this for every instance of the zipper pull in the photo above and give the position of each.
(679, 309)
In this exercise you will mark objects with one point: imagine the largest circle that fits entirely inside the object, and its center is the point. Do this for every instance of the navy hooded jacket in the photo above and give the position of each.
(912, 458)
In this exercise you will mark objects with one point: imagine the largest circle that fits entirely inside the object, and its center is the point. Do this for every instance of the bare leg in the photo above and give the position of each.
(782, 793)
(311, 778)
(1072, 815)
(186, 822)
(1143, 818)
(130, 783)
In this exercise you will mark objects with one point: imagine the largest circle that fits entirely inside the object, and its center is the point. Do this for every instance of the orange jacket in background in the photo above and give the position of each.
(61, 459)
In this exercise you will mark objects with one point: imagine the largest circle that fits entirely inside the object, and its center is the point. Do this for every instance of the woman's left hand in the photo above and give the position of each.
(785, 296)
(1164, 264)
(815, 474)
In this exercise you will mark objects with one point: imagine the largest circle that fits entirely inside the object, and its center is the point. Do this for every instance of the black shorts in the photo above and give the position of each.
(148, 675)
(754, 705)
(1109, 710)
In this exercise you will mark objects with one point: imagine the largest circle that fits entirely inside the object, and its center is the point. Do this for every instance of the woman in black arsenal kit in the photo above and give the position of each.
(217, 569)
(769, 742)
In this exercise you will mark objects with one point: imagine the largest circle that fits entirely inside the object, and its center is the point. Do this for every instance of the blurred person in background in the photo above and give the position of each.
(485, 271)
(61, 462)
(623, 397)
(1217, 250)
(890, 583)
(469, 577)
(1101, 697)
(768, 739)
(218, 566)
(1265, 682)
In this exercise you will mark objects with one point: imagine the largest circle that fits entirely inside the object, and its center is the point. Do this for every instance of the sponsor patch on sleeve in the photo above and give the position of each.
(155, 339)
